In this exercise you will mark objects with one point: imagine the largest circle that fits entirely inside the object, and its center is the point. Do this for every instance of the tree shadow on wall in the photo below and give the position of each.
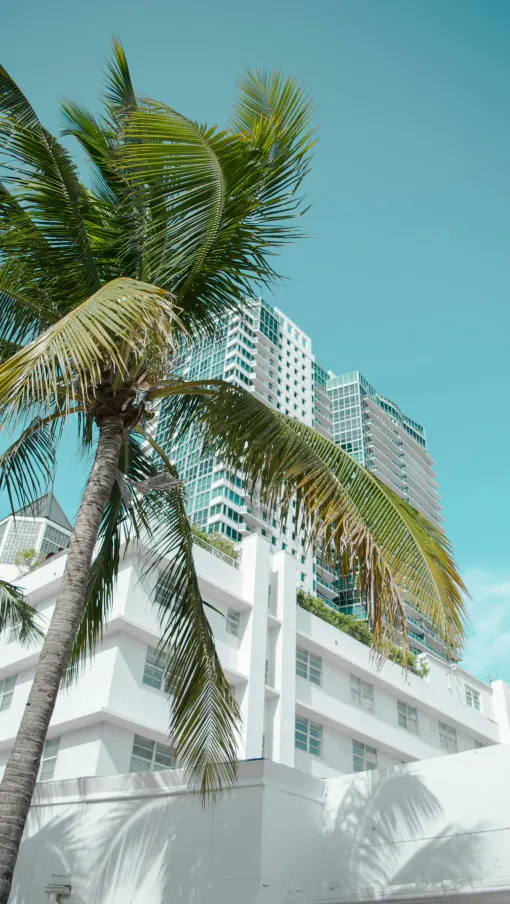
(132, 851)
(389, 830)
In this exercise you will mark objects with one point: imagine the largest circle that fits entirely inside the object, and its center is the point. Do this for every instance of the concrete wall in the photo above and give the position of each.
(434, 830)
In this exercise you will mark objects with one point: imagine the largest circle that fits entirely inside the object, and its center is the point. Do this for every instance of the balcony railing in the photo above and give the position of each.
(230, 560)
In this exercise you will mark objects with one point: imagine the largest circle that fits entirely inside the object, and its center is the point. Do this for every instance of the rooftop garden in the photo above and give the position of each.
(357, 629)
(223, 544)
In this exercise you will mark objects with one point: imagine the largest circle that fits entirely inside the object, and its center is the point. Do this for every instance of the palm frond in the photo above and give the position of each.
(27, 467)
(16, 612)
(119, 93)
(358, 521)
(47, 185)
(276, 116)
(221, 202)
(204, 723)
(31, 271)
(204, 716)
(119, 526)
(67, 360)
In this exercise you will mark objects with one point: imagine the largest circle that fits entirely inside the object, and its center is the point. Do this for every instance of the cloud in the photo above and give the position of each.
(487, 651)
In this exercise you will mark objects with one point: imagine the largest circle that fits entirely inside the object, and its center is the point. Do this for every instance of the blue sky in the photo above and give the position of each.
(405, 275)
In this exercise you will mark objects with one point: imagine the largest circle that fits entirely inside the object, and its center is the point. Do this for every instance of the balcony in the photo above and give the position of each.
(255, 519)
(328, 590)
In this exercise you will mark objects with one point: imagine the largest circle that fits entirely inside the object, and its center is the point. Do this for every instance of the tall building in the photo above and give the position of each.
(41, 526)
(380, 436)
(267, 354)
(310, 695)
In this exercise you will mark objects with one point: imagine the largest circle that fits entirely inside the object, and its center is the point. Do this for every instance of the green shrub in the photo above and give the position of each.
(357, 629)
(222, 543)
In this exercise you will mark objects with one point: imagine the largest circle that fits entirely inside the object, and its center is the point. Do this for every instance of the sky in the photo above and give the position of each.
(405, 271)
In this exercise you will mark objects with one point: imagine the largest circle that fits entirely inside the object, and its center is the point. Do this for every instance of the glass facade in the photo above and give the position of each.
(267, 354)
(38, 527)
(375, 431)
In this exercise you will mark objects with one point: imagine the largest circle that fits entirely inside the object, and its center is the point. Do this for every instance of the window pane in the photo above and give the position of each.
(302, 662)
(315, 738)
(233, 619)
(143, 747)
(51, 747)
(47, 770)
(315, 662)
(367, 702)
(315, 676)
(355, 697)
(138, 764)
(152, 677)
(164, 756)
(301, 734)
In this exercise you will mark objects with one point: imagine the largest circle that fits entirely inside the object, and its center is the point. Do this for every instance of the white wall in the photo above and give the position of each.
(434, 830)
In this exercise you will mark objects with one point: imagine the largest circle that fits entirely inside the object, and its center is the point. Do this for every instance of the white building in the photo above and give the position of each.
(310, 695)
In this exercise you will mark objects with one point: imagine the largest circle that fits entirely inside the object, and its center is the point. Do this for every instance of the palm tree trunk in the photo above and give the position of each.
(22, 768)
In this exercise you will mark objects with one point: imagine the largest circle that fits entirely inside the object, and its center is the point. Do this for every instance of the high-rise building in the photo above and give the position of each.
(41, 527)
(380, 436)
(266, 353)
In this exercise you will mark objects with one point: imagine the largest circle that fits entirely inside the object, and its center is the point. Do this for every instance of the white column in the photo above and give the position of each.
(285, 660)
(252, 649)
(501, 700)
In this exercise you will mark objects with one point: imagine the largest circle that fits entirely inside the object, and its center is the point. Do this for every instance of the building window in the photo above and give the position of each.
(447, 737)
(6, 691)
(54, 540)
(362, 694)
(407, 716)
(22, 535)
(233, 619)
(308, 736)
(13, 634)
(364, 757)
(149, 756)
(308, 666)
(154, 671)
(48, 760)
(472, 697)
(478, 745)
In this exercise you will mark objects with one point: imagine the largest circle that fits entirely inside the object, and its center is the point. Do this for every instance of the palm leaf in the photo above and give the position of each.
(47, 184)
(205, 718)
(346, 511)
(120, 95)
(119, 526)
(204, 715)
(67, 361)
(27, 467)
(15, 611)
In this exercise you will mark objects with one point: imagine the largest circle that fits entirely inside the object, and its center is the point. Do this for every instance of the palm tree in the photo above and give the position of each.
(101, 285)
